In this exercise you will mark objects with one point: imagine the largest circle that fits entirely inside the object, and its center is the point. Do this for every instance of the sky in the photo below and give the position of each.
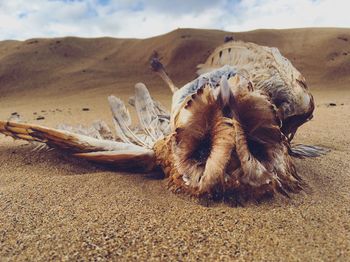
(23, 19)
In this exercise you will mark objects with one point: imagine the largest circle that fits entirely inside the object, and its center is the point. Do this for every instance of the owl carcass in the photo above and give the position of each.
(228, 134)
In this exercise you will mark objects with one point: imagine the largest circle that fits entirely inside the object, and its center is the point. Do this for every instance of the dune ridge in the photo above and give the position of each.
(71, 63)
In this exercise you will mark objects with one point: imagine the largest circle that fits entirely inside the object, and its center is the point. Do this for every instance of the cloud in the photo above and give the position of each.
(22, 19)
(289, 14)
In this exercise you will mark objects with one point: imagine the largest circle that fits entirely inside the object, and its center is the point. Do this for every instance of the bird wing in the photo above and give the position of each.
(122, 155)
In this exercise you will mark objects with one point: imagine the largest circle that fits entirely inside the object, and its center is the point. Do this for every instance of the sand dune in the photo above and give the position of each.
(72, 64)
(53, 207)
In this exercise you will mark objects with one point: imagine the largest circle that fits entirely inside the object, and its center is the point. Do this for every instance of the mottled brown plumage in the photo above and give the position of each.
(243, 152)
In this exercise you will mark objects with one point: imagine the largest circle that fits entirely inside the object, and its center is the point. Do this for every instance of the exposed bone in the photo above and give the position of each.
(158, 67)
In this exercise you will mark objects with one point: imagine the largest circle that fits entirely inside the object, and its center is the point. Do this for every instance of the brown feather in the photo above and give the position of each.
(209, 154)
(60, 138)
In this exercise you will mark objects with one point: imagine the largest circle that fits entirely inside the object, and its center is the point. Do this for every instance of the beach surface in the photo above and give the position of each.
(54, 207)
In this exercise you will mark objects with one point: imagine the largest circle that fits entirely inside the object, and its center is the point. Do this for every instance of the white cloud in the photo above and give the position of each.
(21, 19)
(290, 14)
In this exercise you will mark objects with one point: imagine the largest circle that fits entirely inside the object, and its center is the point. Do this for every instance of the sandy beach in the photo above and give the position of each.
(54, 207)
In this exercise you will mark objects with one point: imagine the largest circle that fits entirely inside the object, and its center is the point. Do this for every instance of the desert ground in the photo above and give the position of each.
(54, 207)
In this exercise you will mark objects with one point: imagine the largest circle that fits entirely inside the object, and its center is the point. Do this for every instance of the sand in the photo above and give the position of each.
(57, 208)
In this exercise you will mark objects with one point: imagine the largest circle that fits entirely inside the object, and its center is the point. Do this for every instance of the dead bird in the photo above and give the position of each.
(228, 134)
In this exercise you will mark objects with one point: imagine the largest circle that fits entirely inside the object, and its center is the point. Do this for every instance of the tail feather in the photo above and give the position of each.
(302, 151)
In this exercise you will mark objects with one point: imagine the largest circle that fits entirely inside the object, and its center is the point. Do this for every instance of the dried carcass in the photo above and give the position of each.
(228, 133)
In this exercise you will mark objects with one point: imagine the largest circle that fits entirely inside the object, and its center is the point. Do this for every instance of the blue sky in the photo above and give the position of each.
(22, 19)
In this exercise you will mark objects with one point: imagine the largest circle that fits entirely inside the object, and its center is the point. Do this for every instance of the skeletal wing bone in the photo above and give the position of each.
(60, 138)
(158, 67)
